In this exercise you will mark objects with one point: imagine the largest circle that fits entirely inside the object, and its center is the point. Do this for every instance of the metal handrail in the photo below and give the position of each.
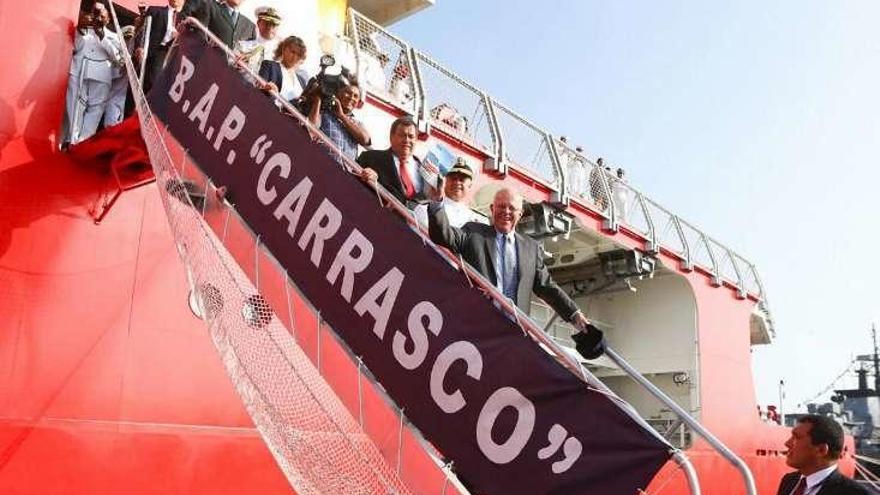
(689, 471)
(689, 420)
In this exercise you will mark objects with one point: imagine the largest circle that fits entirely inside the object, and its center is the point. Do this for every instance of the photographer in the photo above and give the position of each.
(333, 114)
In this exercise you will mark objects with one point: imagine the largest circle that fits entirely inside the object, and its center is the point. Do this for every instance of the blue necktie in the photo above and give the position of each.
(508, 268)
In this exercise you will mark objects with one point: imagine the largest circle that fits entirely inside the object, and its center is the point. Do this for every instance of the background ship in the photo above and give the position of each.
(858, 409)
(109, 382)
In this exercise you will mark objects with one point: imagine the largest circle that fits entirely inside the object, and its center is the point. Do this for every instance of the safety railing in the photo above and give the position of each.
(462, 110)
(526, 146)
(667, 233)
(456, 107)
(385, 65)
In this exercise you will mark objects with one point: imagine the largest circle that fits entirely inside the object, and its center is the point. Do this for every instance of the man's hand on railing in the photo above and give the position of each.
(270, 87)
(369, 176)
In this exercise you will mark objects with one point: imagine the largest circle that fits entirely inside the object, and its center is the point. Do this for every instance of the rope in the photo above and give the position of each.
(861, 470)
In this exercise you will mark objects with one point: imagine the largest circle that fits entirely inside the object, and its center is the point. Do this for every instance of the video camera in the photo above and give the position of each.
(327, 84)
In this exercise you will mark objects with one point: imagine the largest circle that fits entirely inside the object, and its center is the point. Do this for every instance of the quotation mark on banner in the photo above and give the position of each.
(258, 150)
(571, 449)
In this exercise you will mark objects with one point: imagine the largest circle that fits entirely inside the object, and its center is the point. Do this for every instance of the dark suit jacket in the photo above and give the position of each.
(155, 51)
(382, 161)
(216, 18)
(270, 70)
(476, 244)
(834, 484)
(159, 24)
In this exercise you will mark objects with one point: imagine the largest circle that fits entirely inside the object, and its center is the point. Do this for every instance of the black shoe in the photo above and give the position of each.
(590, 344)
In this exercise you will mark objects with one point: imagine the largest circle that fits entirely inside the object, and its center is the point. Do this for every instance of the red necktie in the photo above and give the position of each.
(801, 487)
(408, 189)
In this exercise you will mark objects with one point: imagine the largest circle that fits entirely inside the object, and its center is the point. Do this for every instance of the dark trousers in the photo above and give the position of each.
(155, 61)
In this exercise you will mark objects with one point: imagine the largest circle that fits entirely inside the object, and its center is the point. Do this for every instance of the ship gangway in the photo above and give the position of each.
(228, 267)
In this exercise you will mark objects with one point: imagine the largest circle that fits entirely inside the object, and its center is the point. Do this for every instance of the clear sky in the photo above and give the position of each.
(757, 121)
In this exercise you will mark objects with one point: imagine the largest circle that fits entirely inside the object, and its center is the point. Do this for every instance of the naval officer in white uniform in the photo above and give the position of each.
(96, 52)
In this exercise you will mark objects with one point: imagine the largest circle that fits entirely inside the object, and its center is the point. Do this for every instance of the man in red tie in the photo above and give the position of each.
(399, 172)
(814, 447)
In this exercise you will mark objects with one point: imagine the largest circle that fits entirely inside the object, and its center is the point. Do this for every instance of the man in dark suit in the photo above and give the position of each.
(513, 263)
(161, 34)
(399, 172)
(221, 18)
(813, 449)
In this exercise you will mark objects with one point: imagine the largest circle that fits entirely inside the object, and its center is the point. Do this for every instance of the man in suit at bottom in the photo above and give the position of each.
(813, 449)
(513, 263)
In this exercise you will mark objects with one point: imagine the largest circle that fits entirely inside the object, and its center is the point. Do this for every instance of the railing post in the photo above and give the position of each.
(611, 223)
(356, 40)
(421, 109)
(497, 165)
(687, 263)
(651, 246)
(560, 196)
(716, 276)
(740, 281)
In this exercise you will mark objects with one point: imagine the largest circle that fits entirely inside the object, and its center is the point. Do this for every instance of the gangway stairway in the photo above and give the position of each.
(235, 278)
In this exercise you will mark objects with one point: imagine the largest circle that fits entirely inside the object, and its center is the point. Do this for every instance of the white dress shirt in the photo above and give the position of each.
(169, 26)
(814, 481)
(291, 88)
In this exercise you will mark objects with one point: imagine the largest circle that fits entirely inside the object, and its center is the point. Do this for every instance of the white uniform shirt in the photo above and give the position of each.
(97, 57)
(457, 213)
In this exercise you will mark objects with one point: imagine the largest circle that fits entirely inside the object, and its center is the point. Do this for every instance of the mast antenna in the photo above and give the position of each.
(876, 359)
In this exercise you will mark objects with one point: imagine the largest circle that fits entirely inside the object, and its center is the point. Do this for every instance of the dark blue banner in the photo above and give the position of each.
(511, 418)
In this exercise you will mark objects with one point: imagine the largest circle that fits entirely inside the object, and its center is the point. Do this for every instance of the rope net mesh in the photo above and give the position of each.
(315, 440)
